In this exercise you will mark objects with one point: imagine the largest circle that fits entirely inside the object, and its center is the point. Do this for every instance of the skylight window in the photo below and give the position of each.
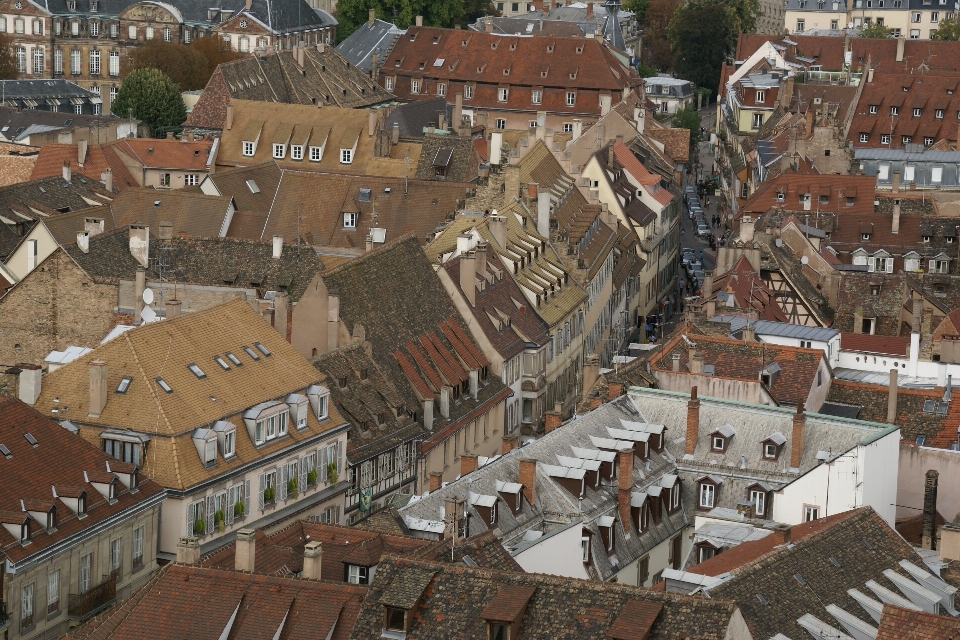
(262, 349)
(223, 363)
(30, 439)
(4, 450)
(124, 384)
(163, 384)
(234, 359)
(197, 371)
(251, 352)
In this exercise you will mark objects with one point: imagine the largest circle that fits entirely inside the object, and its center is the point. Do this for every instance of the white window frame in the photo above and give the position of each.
(864, 137)
(83, 582)
(279, 151)
(357, 574)
(758, 498)
(53, 590)
(571, 100)
(706, 495)
(115, 550)
(138, 545)
(468, 92)
(346, 156)
(536, 96)
(502, 94)
(26, 606)
(249, 148)
(316, 154)
(414, 86)
(761, 95)
(349, 220)
(296, 152)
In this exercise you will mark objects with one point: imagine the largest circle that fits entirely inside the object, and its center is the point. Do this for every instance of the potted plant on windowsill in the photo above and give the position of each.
(292, 488)
(199, 527)
(238, 510)
(311, 477)
(219, 520)
(268, 495)
(332, 472)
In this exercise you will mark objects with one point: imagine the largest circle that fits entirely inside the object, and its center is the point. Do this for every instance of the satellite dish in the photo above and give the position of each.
(148, 314)
(148, 296)
(804, 260)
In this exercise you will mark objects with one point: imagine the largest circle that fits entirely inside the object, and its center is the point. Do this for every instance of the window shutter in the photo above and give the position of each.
(302, 479)
(210, 510)
(337, 452)
(933, 265)
(260, 492)
(190, 519)
(246, 496)
(231, 502)
(282, 482)
(889, 265)
(322, 457)
(871, 264)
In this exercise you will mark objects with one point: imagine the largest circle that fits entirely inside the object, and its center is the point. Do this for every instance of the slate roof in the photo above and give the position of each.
(451, 601)
(60, 458)
(326, 79)
(508, 329)
(899, 623)
(15, 124)
(871, 402)
(481, 550)
(414, 117)
(376, 37)
(163, 350)
(862, 544)
(42, 89)
(369, 401)
(50, 196)
(531, 24)
(215, 262)
(556, 507)
(244, 606)
(855, 292)
(420, 345)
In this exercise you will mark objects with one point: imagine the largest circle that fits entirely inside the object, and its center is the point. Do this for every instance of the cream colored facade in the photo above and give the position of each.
(905, 18)
(62, 569)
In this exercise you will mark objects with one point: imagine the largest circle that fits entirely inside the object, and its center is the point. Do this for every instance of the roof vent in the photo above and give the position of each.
(149, 149)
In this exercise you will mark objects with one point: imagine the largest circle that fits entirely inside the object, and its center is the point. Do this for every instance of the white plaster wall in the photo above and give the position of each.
(830, 348)
(840, 477)
(879, 468)
(914, 463)
(558, 555)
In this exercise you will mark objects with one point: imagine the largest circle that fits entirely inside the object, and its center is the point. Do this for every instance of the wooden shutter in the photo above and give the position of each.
(871, 264)
(337, 451)
(211, 507)
(889, 267)
(246, 496)
(190, 519)
(231, 502)
(302, 476)
(282, 482)
(260, 491)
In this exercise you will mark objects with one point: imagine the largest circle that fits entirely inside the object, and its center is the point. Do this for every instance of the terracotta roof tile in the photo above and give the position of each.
(881, 345)
(897, 623)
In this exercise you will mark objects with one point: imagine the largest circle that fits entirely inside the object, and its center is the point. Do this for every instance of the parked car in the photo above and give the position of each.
(702, 229)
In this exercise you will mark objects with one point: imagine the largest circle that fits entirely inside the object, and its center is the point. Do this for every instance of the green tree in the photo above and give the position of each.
(656, 51)
(689, 118)
(948, 29)
(189, 66)
(874, 30)
(703, 33)
(351, 14)
(151, 97)
(646, 72)
(639, 8)
(8, 60)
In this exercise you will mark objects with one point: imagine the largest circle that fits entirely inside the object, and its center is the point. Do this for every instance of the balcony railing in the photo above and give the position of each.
(94, 600)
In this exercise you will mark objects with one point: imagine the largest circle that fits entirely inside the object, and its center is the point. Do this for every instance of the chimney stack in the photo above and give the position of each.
(552, 420)
(108, 180)
(457, 117)
(188, 551)
(675, 361)
(900, 49)
(896, 216)
(374, 65)
(488, 24)
(498, 229)
(468, 463)
(796, 444)
(528, 478)
(468, 276)
(696, 363)
(428, 414)
(81, 153)
(83, 241)
(445, 396)
(66, 171)
(28, 389)
(140, 243)
(371, 16)
(312, 558)
(589, 10)
(371, 122)
(625, 486)
(419, 21)
(543, 212)
(395, 134)
(173, 308)
(614, 389)
(229, 123)
(892, 396)
(436, 481)
(246, 550)
(609, 150)
(139, 286)
(166, 230)
(693, 422)
(508, 444)
(929, 531)
(98, 387)
(895, 182)
(482, 258)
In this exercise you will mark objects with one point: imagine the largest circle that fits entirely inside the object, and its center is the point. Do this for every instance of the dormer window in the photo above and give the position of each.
(757, 496)
(586, 548)
(926, 239)
(395, 619)
(772, 446)
(707, 489)
(82, 504)
(25, 532)
(52, 518)
(780, 196)
(720, 439)
(266, 421)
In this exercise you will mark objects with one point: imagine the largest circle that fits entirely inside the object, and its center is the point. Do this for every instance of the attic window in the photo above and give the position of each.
(124, 384)
(234, 359)
(252, 185)
(163, 384)
(223, 363)
(864, 236)
(6, 452)
(262, 349)
(251, 352)
(31, 439)
(197, 371)
(395, 619)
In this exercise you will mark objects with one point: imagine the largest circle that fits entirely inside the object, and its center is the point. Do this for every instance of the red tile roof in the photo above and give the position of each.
(792, 184)
(749, 291)
(881, 345)
(98, 158)
(897, 623)
(166, 154)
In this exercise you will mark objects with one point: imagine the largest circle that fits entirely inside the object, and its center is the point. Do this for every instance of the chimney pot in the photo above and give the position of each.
(468, 463)
(246, 550)
(188, 551)
(693, 422)
(528, 478)
(797, 443)
(312, 560)
(173, 308)
(98, 387)
(28, 389)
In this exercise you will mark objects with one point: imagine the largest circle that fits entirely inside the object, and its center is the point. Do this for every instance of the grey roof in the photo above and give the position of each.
(839, 409)
(17, 124)
(556, 507)
(41, 89)
(414, 116)
(783, 329)
(912, 152)
(814, 5)
(370, 38)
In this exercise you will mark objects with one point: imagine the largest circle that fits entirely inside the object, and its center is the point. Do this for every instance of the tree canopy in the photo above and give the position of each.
(656, 50)
(351, 14)
(689, 118)
(151, 96)
(8, 61)
(189, 66)
(874, 30)
(948, 29)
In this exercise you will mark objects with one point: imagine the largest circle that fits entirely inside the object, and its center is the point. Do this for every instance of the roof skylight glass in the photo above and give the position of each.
(124, 384)
(163, 384)
(234, 359)
(30, 438)
(262, 349)
(197, 371)
(223, 363)
(251, 352)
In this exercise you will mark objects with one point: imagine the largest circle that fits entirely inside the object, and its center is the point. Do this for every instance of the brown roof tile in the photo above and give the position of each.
(897, 623)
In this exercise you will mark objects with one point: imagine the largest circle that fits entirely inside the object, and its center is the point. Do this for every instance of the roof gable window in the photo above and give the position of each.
(267, 421)
(720, 438)
(708, 487)
(772, 446)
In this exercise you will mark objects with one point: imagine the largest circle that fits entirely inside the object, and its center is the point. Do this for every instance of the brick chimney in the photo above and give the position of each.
(371, 16)
(246, 550)
(929, 531)
(614, 390)
(625, 486)
(436, 480)
(796, 444)
(552, 420)
(528, 478)
(509, 444)
(98, 387)
(312, 559)
(896, 216)
(589, 9)
(693, 422)
(188, 551)
(468, 463)
(892, 396)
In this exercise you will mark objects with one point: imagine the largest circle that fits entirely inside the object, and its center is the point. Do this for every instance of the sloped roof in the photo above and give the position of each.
(191, 213)
(897, 623)
(167, 154)
(414, 117)
(98, 159)
(17, 163)
(676, 141)
(60, 458)
(372, 37)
